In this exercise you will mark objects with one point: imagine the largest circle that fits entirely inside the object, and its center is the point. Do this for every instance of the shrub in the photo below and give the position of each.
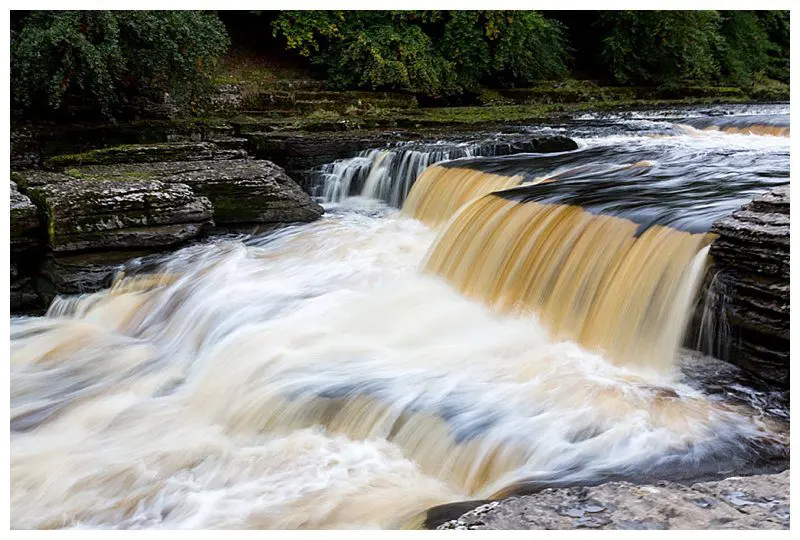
(99, 60)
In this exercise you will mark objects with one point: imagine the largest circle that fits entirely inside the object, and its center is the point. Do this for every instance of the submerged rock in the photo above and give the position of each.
(750, 292)
(753, 502)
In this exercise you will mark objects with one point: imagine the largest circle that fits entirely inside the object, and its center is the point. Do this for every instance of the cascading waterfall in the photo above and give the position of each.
(591, 278)
(514, 327)
(749, 125)
(387, 174)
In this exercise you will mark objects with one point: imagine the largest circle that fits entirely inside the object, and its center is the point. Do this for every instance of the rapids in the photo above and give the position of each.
(321, 376)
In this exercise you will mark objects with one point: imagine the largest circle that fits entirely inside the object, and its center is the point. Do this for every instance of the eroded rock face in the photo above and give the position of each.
(242, 191)
(300, 152)
(751, 285)
(25, 232)
(754, 502)
(24, 220)
(85, 214)
(23, 295)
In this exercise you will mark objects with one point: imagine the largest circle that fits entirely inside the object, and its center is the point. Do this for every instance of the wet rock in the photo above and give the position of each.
(300, 152)
(148, 153)
(242, 191)
(89, 214)
(80, 273)
(754, 502)
(23, 295)
(751, 286)
(24, 220)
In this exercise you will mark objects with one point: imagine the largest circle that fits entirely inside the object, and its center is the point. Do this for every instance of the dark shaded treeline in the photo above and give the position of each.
(100, 62)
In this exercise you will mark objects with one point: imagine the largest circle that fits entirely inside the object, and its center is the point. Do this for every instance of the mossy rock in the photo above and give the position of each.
(143, 153)
(91, 214)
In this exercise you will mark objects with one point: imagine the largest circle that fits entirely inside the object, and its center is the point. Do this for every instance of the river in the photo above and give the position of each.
(353, 372)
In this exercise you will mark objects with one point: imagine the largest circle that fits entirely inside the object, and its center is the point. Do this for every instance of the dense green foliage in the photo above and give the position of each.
(430, 52)
(104, 62)
(658, 47)
(100, 60)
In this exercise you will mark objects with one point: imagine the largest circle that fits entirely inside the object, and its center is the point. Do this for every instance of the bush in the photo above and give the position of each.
(100, 60)
(429, 52)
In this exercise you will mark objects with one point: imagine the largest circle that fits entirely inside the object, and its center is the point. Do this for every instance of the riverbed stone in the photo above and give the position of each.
(751, 286)
(79, 273)
(753, 502)
(90, 214)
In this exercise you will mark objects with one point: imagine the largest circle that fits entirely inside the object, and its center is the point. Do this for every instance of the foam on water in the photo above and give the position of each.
(314, 378)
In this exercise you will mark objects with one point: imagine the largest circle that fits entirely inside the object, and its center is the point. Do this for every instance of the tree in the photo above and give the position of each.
(661, 47)
(431, 52)
(743, 48)
(98, 60)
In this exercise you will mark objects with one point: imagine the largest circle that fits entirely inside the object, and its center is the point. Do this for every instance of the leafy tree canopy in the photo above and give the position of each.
(101, 59)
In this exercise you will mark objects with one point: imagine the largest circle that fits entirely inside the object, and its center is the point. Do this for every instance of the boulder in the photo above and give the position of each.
(753, 502)
(750, 290)
(242, 191)
(89, 214)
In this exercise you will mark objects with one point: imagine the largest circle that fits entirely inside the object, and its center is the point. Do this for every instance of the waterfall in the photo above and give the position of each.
(388, 174)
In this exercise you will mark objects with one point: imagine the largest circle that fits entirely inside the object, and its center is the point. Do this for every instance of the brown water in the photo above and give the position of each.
(353, 372)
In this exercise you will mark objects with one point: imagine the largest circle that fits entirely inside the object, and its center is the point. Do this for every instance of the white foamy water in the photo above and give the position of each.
(315, 378)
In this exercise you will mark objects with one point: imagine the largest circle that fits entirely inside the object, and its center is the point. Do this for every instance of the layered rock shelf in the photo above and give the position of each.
(749, 297)
(301, 152)
(753, 502)
(74, 225)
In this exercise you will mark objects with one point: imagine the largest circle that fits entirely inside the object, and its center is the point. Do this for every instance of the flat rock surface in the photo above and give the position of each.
(753, 502)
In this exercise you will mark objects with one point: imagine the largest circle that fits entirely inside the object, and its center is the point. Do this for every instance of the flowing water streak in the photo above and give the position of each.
(590, 278)
(764, 125)
(441, 191)
(291, 382)
(388, 174)
(385, 174)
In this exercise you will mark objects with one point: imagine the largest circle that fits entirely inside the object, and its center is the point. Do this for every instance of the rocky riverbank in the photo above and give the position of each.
(82, 209)
(749, 291)
(752, 502)
(76, 224)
